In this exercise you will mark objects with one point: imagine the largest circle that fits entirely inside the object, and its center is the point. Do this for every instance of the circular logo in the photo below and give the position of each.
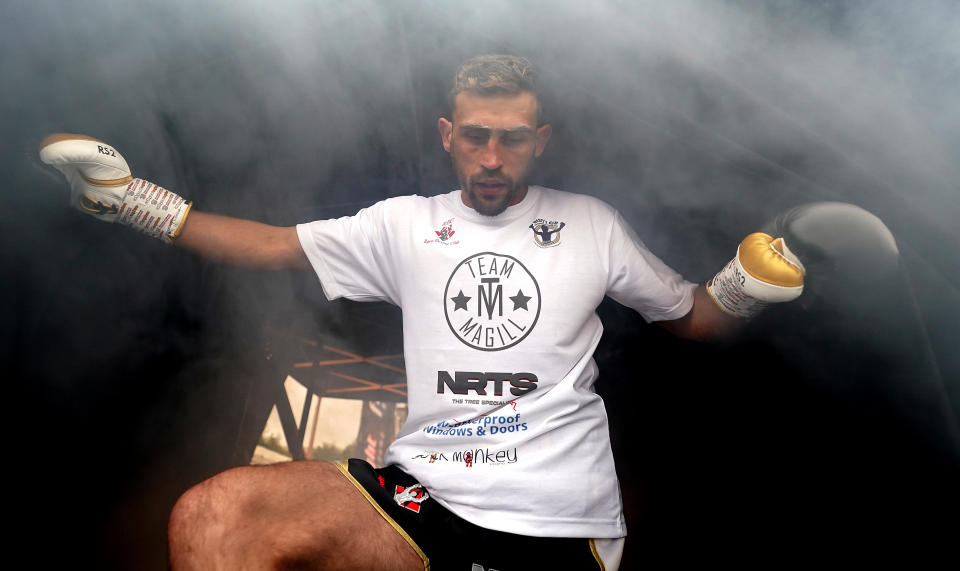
(491, 301)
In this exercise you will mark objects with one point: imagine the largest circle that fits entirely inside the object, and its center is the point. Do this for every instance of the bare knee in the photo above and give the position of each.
(213, 519)
(296, 515)
(263, 514)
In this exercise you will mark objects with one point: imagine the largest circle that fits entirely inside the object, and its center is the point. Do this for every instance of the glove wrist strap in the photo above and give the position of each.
(153, 210)
(727, 289)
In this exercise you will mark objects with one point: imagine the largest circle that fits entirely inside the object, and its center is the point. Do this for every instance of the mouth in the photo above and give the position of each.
(489, 187)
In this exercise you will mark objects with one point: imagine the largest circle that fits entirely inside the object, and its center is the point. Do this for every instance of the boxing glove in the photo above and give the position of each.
(764, 271)
(101, 186)
(844, 247)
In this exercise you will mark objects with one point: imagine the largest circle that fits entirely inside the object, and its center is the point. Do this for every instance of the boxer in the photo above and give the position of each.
(504, 461)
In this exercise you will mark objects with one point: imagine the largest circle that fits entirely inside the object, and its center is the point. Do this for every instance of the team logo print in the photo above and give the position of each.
(411, 497)
(491, 301)
(546, 233)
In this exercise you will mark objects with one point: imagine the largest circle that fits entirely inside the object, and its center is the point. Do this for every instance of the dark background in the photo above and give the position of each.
(828, 428)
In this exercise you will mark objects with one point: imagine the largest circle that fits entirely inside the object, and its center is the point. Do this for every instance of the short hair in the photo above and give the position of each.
(496, 74)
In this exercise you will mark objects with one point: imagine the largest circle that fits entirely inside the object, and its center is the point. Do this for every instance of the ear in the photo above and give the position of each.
(446, 132)
(543, 135)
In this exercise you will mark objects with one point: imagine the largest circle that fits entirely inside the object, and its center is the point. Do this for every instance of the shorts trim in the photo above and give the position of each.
(423, 556)
(593, 549)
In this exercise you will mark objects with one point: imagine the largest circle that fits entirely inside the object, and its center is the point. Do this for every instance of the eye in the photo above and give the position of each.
(476, 137)
(515, 139)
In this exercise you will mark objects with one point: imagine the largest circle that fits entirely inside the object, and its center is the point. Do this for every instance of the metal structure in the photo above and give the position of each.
(328, 370)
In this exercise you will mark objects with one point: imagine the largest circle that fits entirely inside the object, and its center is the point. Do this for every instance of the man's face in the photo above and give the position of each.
(492, 141)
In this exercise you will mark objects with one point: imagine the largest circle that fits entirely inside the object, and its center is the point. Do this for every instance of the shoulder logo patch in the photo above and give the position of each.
(546, 233)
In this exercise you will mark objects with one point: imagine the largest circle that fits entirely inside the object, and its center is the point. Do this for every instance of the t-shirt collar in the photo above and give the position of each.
(510, 214)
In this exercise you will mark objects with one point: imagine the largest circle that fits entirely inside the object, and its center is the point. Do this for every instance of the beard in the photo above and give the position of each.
(490, 205)
(486, 204)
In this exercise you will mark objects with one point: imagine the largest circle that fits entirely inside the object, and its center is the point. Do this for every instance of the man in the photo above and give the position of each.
(504, 461)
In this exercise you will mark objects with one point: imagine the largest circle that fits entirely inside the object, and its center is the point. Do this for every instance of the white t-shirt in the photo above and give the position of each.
(499, 329)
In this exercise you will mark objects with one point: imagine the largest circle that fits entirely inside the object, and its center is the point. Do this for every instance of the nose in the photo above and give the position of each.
(491, 157)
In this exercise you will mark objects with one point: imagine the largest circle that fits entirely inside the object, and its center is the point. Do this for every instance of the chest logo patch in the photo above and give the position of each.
(546, 233)
(491, 302)
(444, 235)
(447, 231)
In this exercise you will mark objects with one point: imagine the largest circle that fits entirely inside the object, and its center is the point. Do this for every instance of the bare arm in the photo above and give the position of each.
(242, 243)
(704, 322)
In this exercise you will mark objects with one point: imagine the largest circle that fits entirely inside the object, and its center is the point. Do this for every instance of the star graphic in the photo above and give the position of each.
(520, 300)
(460, 301)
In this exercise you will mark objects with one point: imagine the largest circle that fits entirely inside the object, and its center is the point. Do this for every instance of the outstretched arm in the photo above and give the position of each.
(843, 241)
(101, 185)
(242, 243)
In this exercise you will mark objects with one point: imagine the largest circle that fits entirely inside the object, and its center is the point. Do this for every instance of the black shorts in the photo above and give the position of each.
(445, 541)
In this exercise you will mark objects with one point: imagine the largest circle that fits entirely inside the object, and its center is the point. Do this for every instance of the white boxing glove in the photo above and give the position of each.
(764, 271)
(101, 186)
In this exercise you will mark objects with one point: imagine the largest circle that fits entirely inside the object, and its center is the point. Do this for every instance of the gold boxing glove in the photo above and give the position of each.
(764, 271)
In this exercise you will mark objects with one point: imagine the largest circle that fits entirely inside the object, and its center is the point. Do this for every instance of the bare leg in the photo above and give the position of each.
(296, 515)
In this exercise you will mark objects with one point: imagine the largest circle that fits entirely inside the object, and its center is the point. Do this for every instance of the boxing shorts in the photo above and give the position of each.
(445, 541)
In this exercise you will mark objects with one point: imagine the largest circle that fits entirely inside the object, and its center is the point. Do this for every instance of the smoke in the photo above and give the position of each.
(699, 120)
(838, 94)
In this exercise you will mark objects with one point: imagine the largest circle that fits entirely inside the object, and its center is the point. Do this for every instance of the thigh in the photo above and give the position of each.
(296, 515)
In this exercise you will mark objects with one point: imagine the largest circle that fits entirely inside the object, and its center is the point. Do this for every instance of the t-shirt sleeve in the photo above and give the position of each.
(640, 280)
(351, 256)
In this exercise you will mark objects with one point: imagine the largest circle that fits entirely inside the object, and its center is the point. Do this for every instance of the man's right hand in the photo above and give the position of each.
(101, 186)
